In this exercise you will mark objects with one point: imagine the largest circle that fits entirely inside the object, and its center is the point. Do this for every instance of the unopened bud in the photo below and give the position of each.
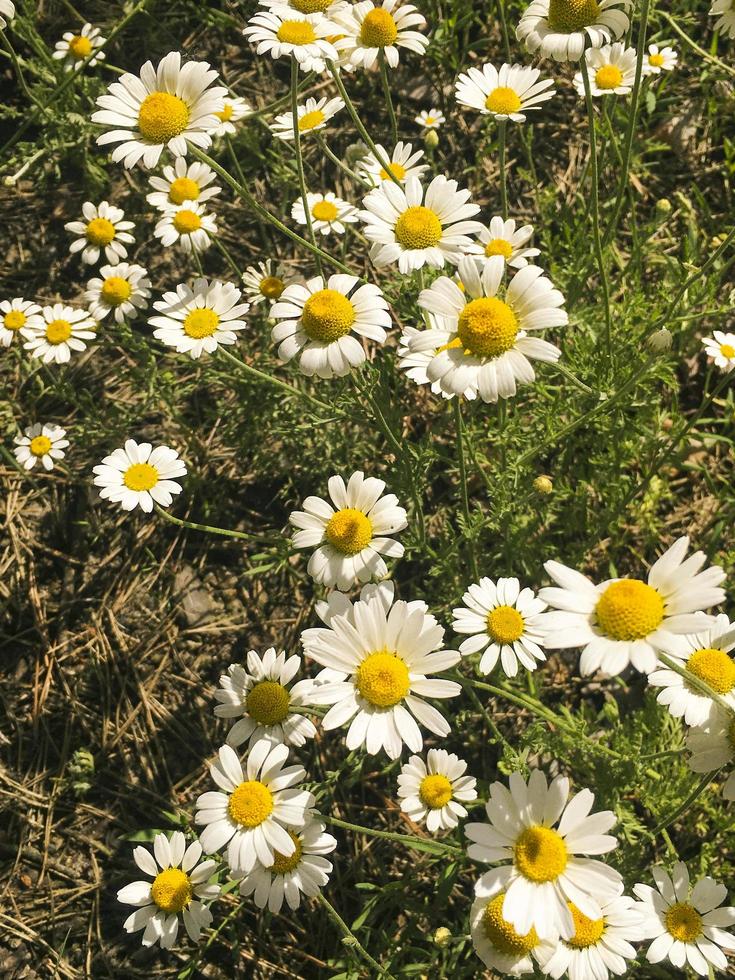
(442, 936)
(660, 341)
(431, 139)
(354, 153)
(663, 207)
(543, 485)
(9, 181)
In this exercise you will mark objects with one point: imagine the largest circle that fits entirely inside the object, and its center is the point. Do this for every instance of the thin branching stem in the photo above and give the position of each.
(300, 160)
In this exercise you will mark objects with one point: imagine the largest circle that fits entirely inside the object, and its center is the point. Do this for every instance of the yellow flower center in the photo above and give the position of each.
(501, 933)
(172, 891)
(186, 222)
(296, 32)
(656, 60)
(418, 227)
(116, 290)
(267, 703)
(100, 231)
(250, 804)
(378, 29)
(14, 320)
(487, 327)
(382, 679)
(349, 531)
(310, 120)
(435, 791)
(272, 287)
(397, 169)
(327, 316)
(183, 189)
(609, 76)
(140, 476)
(499, 246)
(200, 323)
(587, 932)
(566, 16)
(162, 116)
(540, 854)
(727, 350)
(683, 922)
(324, 211)
(429, 120)
(505, 624)
(503, 100)
(281, 864)
(226, 112)
(629, 610)
(58, 331)
(80, 47)
(715, 668)
(310, 6)
(40, 445)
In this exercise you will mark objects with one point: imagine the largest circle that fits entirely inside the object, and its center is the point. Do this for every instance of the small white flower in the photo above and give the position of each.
(312, 115)
(74, 48)
(329, 213)
(433, 791)
(103, 227)
(403, 163)
(16, 314)
(721, 348)
(189, 224)
(724, 11)
(139, 475)
(233, 111)
(179, 887)
(561, 29)
(265, 281)
(197, 319)
(659, 59)
(432, 119)
(372, 29)
(181, 183)
(57, 332)
(44, 443)
(713, 746)
(611, 70)
(122, 290)
(504, 93)
(282, 32)
(501, 238)
(414, 357)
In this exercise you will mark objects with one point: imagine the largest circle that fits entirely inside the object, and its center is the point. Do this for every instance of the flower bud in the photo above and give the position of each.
(431, 139)
(442, 936)
(660, 341)
(663, 207)
(354, 153)
(543, 485)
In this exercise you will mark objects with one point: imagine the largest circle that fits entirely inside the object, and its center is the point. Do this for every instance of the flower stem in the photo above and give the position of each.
(351, 939)
(284, 385)
(502, 127)
(223, 531)
(686, 804)
(341, 164)
(460, 436)
(406, 839)
(388, 97)
(299, 159)
(696, 682)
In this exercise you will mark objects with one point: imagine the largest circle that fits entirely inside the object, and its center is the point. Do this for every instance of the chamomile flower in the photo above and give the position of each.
(542, 834)
(561, 29)
(319, 322)
(351, 536)
(724, 11)
(74, 48)
(312, 115)
(433, 791)
(197, 319)
(432, 119)
(502, 238)
(259, 697)
(707, 658)
(44, 444)
(122, 290)
(57, 332)
(180, 886)
(257, 807)
(265, 281)
(374, 29)
(482, 341)
(139, 476)
(628, 620)
(713, 746)
(416, 226)
(505, 622)
(721, 348)
(415, 356)
(166, 107)
(283, 32)
(188, 224)
(687, 924)
(329, 213)
(402, 163)
(611, 70)
(7, 10)
(102, 228)
(495, 939)
(233, 110)
(180, 183)
(659, 59)
(16, 314)
(504, 93)
(376, 664)
(306, 871)
(326, 7)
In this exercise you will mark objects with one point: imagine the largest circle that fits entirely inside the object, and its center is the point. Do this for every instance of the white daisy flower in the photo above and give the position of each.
(40, 443)
(256, 808)
(339, 604)
(659, 59)
(233, 111)
(329, 213)
(305, 871)
(707, 659)
(189, 224)
(350, 536)
(260, 698)
(416, 226)
(496, 941)
(376, 663)
(7, 10)
(433, 791)
(721, 348)
(57, 332)
(102, 227)
(139, 475)
(482, 341)
(561, 29)
(713, 746)
(542, 835)
(282, 32)
(627, 620)
(265, 281)
(166, 107)
(319, 322)
(505, 622)
(414, 358)
(312, 115)
(687, 924)
(74, 48)
(501, 238)
(16, 314)
(432, 119)
(180, 886)
(504, 93)
(122, 290)
(611, 70)
(724, 11)
(197, 319)
(403, 163)
(372, 29)
(181, 183)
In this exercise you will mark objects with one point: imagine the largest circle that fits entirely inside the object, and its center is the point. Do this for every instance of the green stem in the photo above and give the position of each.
(341, 164)
(686, 804)
(351, 939)
(227, 255)
(299, 158)
(577, 382)
(222, 531)
(694, 681)
(19, 72)
(405, 839)
(700, 51)
(283, 385)
(388, 97)
(502, 127)
(460, 438)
